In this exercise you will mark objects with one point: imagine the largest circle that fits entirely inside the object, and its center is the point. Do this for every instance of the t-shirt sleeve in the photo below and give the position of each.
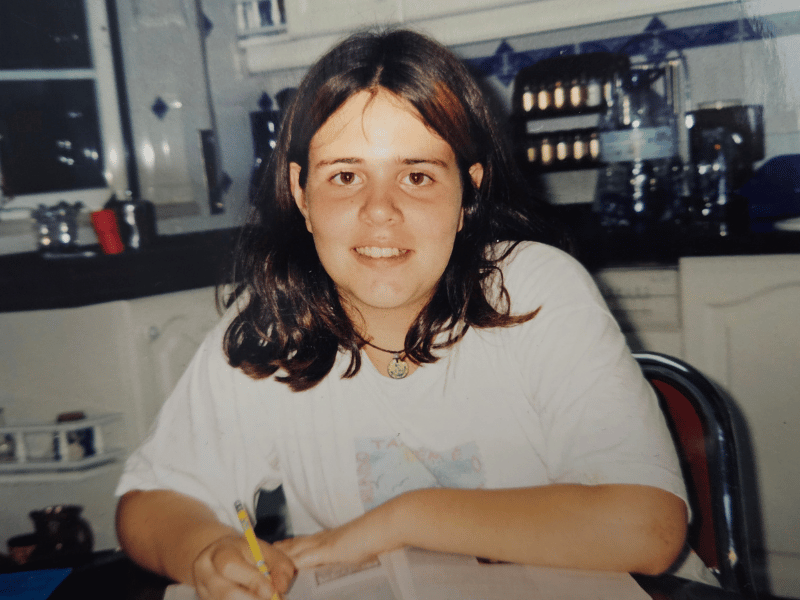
(600, 417)
(209, 440)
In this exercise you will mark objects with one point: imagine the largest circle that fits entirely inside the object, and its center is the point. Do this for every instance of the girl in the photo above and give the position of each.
(406, 357)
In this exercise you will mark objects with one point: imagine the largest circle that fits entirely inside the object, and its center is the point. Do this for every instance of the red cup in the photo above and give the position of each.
(105, 226)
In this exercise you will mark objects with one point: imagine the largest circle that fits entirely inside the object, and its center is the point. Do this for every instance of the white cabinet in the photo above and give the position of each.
(646, 304)
(119, 357)
(741, 328)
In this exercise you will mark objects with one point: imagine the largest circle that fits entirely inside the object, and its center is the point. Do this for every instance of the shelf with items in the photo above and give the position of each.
(49, 448)
(564, 150)
(564, 86)
(555, 104)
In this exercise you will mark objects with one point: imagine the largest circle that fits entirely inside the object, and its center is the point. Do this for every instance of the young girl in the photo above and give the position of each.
(405, 358)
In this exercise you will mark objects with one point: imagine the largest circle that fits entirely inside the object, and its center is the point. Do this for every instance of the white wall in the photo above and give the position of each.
(753, 72)
(163, 51)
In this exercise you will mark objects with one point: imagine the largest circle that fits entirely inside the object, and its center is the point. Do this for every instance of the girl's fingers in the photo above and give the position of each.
(227, 571)
(247, 577)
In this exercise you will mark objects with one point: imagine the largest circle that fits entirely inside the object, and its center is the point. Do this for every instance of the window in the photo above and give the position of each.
(60, 132)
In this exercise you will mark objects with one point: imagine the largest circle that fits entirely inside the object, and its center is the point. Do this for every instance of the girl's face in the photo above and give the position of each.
(383, 202)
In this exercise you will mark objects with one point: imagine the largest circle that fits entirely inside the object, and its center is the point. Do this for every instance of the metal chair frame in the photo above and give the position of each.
(733, 561)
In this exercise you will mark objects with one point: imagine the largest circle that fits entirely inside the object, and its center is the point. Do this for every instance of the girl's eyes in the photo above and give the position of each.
(345, 178)
(418, 179)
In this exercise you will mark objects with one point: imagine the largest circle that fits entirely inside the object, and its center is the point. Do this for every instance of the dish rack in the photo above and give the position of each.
(57, 447)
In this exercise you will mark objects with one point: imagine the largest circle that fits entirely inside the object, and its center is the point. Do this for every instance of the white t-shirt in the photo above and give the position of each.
(558, 399)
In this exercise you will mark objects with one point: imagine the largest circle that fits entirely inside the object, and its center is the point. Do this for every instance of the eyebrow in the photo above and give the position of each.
(406, 161)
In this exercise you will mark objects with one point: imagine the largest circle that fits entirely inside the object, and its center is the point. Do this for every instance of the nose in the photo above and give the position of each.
(380, 206)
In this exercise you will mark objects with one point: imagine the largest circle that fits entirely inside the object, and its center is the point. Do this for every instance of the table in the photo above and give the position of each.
(112, 576)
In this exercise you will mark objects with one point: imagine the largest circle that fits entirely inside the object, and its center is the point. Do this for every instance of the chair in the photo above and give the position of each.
(702, 427)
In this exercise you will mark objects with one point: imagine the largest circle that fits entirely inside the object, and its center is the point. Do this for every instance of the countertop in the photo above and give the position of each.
(32, 281)
(597, 248)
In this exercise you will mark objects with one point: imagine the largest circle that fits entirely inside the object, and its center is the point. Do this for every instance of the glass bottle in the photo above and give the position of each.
(594, 147)
(579, 148)
(577, 93)
(533, 152)
(544, 98)
(562, 149)
(638, 144)
(559, 95)
(528, 99)
(546, 152)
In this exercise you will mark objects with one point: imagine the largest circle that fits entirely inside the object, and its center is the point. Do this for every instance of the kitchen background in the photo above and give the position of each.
(162, 97)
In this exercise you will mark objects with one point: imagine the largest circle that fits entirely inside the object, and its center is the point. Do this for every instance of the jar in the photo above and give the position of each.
(562, 149)
(579, 147)
(547, 153)
(594, 147)
(577, 93)
(544, 98)
(528, 99)
(559, 96)
(532, 152)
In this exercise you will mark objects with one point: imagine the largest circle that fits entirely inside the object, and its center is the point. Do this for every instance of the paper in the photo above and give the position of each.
(432, 576)
(31, 585)
(412, 574)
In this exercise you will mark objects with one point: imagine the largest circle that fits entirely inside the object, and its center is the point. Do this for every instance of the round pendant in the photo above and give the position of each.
(397, 368)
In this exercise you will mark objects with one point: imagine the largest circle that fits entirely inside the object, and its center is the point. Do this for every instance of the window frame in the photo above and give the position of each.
(109, 120)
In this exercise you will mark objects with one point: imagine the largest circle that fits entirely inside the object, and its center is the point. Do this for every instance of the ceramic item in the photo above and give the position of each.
(60, 531)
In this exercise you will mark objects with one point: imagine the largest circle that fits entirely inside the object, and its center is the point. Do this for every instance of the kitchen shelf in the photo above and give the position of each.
(572, 89)
(49, 448)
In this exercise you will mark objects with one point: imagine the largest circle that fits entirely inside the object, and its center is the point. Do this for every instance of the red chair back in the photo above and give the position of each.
(702, 427)
(691, 436)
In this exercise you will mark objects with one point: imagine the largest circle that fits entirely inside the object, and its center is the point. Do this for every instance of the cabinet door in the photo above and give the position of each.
(165, 332)
(741, 328)
(308, 17)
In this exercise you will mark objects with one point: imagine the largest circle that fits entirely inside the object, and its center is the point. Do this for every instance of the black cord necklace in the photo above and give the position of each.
(398, 367)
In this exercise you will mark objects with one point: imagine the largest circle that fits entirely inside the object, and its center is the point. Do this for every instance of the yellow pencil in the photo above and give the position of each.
(250, 536)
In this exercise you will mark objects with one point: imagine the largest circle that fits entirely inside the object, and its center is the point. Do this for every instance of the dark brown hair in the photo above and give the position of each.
(290, 314)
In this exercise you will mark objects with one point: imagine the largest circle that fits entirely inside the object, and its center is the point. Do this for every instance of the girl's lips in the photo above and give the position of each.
(378, 252)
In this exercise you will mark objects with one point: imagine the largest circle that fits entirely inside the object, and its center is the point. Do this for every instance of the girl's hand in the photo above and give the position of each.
(225, 570)
(355, 542)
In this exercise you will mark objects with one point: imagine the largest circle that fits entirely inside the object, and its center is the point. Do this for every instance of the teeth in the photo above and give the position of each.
(375, 252)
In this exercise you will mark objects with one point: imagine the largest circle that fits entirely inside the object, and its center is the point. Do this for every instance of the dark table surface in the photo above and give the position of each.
(112, 576)
(32, 280)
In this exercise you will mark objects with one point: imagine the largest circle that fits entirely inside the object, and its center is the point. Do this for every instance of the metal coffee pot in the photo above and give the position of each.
(56, 227)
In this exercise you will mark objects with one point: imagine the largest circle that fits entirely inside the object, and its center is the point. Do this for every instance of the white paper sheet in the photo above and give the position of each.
(412, 574)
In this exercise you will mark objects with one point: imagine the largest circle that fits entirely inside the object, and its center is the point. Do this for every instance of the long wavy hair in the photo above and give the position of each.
(290, 316)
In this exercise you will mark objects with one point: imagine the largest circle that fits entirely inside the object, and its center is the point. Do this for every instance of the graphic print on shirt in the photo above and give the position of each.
(387, 467)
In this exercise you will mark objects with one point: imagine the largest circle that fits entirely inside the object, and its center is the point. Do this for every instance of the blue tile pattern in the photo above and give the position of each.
(159, 107)
(654, 42)
(265, 102)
